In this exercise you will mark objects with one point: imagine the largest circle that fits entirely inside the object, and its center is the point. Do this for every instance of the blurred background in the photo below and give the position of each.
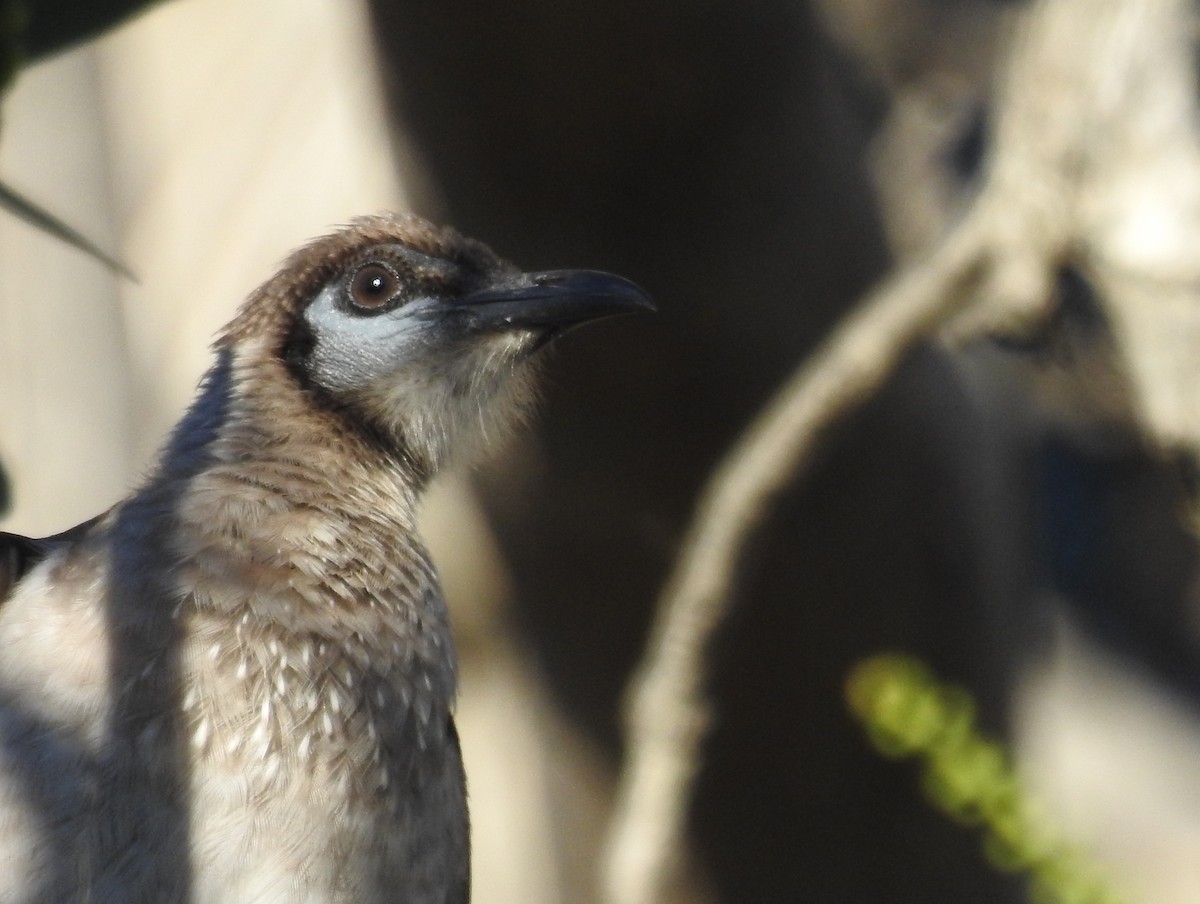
(757, 166)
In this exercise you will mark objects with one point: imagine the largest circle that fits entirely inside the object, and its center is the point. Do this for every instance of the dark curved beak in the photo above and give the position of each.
(554, 300)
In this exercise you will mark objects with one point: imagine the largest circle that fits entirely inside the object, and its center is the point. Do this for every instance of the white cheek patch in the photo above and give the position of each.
(432, 392)
(460, 405)
(352, 353)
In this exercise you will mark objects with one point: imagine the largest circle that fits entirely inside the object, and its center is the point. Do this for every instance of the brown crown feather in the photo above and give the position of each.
(270, 311)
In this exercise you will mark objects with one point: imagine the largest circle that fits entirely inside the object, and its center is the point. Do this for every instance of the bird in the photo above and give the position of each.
(237, 684)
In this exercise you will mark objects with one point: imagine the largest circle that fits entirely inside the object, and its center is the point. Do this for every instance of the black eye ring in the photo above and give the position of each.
(373, 287)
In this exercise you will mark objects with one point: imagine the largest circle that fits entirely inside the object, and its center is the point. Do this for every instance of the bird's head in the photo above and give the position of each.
(416, 333)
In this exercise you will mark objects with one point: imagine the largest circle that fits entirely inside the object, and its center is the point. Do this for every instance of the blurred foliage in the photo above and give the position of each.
(35, 215)
(52, 25)
(12, 28)
(32, 28)
(908, 713)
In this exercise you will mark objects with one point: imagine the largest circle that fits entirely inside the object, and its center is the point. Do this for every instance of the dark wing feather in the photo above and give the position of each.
(20, 555)
(460, 888)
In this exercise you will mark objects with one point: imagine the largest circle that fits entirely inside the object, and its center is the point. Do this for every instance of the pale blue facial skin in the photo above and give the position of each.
(415, 373)
(354, 352)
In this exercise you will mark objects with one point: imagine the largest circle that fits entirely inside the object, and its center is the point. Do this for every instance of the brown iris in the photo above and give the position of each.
(374, 286)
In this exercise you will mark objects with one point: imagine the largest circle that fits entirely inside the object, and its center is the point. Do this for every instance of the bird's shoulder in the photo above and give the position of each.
(19, 554)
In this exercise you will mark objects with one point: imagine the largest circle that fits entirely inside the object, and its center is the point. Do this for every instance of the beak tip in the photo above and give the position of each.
(607, 292)
(558, 299)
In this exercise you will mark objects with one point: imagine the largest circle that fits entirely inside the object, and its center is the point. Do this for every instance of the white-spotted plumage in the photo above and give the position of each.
(237, 684)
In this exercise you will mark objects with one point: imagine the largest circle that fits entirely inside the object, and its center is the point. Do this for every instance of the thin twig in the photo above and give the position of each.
(668, 715)
(1024, 222)
(38, 217)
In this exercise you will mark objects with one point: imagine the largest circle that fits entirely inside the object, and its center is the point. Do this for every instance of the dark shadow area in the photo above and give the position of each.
(716, 153)
(109, 803)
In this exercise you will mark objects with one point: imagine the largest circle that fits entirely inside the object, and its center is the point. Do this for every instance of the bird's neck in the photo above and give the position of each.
(297, 533)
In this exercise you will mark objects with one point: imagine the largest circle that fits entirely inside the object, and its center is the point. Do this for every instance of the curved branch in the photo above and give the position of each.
(668, 715)
(1078, 70)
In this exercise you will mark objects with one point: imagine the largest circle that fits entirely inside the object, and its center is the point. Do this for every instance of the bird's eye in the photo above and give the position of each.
(373, 286)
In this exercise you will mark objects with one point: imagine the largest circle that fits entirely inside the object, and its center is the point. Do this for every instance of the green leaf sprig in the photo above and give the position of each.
(908, 713)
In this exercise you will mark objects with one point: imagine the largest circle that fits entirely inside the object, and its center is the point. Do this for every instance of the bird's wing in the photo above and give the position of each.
(20, 555)
(460, 885)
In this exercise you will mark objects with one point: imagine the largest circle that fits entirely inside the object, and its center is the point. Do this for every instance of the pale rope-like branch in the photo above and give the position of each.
(668, 713)
(1020, 227)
